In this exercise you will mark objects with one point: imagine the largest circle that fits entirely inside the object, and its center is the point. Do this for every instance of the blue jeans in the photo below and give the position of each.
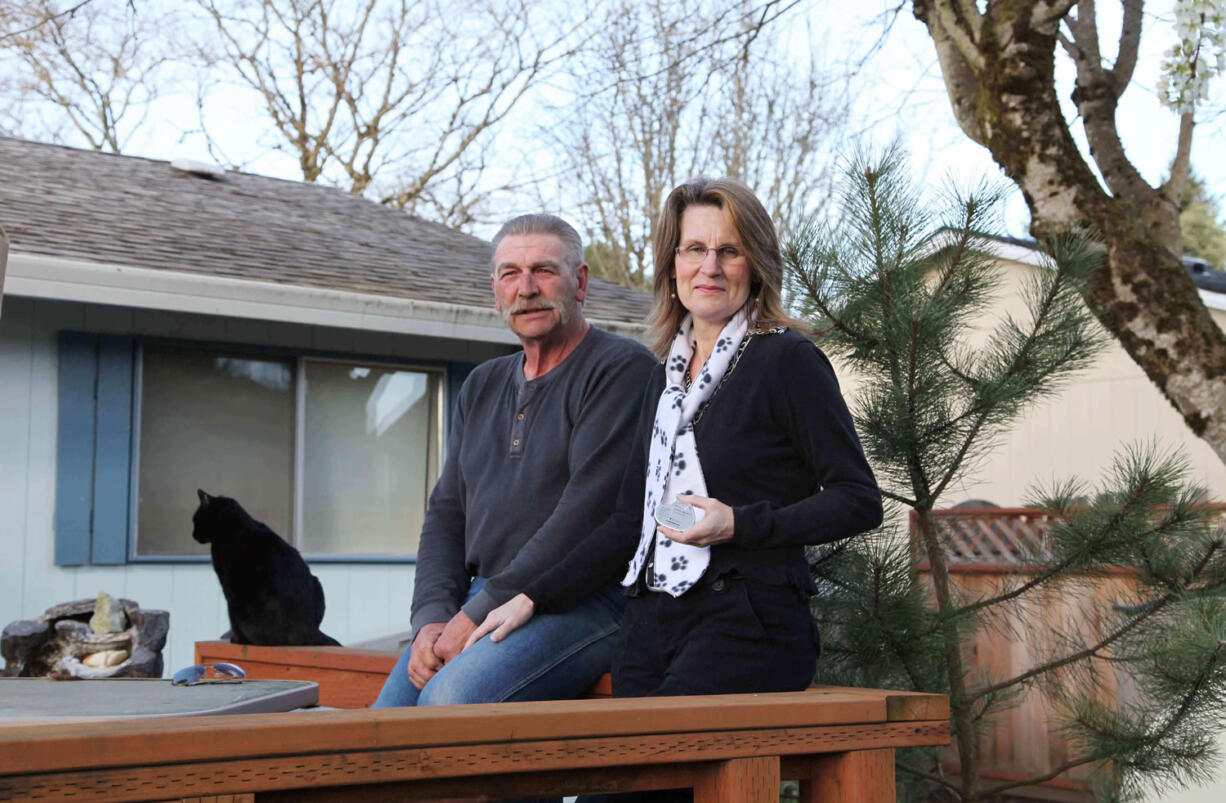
(555, 656)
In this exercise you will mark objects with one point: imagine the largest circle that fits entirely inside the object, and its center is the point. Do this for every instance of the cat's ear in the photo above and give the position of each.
(204, 498)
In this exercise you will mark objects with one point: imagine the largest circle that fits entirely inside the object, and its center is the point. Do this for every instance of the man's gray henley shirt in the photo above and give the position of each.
(532, 465)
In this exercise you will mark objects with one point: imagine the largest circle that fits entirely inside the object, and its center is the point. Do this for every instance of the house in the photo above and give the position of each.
(1078, 431)
(170, 326)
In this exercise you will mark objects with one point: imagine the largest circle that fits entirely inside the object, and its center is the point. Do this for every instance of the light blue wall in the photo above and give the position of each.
(365, 601)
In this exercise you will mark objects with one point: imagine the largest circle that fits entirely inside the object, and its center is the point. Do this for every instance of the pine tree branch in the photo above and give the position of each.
(1185, 705)
(1020, 361)
(1047, 776)
(960, 247)
(963, 450)
(1059, 568)
(1214, 546)
(928, 776)
(1081, 655)
(811, 290)
(887, 494)
(1143, 740)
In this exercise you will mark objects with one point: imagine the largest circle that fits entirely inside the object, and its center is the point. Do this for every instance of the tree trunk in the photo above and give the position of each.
(999, 70)
(961, 715)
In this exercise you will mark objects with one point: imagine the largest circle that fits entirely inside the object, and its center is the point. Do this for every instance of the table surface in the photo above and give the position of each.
(47, 700)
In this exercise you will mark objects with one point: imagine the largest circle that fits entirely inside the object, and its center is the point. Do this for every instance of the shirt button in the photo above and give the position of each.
(515, 442)
(717, 586)
(520, 416)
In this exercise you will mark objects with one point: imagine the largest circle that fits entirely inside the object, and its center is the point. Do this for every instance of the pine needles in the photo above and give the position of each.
(1122, 606)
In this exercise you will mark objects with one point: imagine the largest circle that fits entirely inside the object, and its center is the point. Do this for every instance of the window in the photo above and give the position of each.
(369, 458)
(337, 457)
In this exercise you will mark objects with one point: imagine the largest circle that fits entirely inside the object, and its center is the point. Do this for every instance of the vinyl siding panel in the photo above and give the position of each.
(16, 433)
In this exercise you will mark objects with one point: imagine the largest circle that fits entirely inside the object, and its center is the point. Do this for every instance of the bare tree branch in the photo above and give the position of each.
(91, 69)
(392, 98)
(729, 109)
(51, 15)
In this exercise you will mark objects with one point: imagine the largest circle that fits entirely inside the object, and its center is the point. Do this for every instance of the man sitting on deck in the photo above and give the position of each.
(538, 445)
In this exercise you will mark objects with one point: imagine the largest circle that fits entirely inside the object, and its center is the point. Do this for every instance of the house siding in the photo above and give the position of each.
(364, 600)
(1078, 431)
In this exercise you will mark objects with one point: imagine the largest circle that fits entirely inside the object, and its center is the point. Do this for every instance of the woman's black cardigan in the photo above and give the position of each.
(777, 445)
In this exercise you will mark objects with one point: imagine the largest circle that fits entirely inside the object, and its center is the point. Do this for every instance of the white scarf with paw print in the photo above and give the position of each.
(672, 465)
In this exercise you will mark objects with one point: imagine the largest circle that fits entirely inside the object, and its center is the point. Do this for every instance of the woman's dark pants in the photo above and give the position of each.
(726, 636)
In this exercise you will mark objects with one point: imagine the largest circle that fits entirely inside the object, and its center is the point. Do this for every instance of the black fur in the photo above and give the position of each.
(272, 597)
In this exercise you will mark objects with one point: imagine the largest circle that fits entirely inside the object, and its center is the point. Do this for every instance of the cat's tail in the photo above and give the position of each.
(325, 639)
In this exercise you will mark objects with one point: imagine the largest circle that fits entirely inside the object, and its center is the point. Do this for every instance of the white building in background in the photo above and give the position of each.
(291, 345)
(1079, 431)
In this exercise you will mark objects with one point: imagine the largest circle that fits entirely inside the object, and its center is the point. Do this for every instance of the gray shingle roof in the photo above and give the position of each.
(64, 202)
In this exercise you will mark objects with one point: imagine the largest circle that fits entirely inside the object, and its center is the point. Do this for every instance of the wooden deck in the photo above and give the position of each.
(838, 742)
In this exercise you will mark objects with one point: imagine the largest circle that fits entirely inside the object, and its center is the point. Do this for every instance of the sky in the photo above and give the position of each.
(898, 96)
(906, 98)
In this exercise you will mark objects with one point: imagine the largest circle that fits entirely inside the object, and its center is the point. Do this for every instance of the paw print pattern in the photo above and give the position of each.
(674, 456)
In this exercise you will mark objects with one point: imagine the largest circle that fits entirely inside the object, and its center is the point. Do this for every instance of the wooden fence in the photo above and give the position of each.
(988, 550)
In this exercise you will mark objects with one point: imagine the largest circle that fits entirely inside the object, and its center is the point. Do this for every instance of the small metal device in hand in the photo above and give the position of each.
(675, 515)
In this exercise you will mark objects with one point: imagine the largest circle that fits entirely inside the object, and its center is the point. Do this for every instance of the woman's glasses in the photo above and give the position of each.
(208, 673)
(696, 254)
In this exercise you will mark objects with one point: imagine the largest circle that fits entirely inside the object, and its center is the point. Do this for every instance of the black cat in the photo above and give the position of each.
(271, 594)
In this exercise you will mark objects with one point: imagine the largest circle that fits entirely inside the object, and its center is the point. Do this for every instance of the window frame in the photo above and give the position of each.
(444, 398)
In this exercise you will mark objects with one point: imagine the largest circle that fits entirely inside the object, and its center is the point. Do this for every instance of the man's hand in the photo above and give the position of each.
(423, 663)
(502, 620)
(452, 642)
(714, 528)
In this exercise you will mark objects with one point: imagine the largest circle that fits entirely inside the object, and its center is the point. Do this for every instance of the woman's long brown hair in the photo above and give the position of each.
(758, 238)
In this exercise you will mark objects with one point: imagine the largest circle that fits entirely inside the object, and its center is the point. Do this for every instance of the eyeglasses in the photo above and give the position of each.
(696, 254)
(211, 673)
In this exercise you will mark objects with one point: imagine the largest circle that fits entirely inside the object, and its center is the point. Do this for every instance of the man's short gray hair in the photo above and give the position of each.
(543, 224)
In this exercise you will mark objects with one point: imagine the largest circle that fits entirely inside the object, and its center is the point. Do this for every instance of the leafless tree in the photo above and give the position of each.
(395, 99)
(79, 71)
(999, 60)
(673, 89)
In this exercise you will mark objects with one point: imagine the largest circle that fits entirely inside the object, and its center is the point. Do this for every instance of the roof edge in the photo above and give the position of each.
(1212, 300)
(66, 279)
(1009, 249)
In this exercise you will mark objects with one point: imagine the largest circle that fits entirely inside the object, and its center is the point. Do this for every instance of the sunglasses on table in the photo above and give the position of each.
(197, 674)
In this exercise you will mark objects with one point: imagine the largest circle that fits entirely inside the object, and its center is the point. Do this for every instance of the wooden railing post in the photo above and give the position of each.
(865, 776)
(740, 780)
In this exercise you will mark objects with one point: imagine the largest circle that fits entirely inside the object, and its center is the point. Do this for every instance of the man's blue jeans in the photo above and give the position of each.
(555, 656)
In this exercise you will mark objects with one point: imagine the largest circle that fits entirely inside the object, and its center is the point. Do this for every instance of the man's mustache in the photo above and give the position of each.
(529, 306)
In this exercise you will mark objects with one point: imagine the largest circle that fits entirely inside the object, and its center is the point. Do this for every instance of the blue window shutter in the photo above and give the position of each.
(457, 372)
(74, 466)
(113, 450)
